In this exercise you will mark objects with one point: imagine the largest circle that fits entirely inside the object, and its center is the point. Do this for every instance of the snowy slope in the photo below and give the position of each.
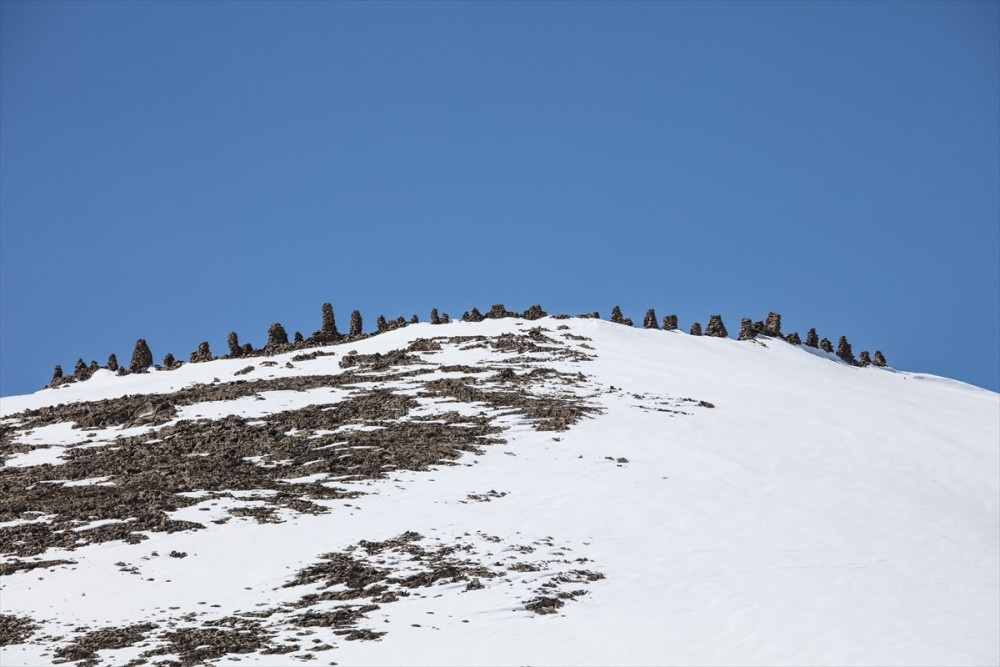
(711, 502)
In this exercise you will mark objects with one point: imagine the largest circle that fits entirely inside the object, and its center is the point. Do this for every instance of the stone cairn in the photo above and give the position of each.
(202, 354)
(297, 337)
(864, 359)
(793, 338)
(276, 337)
(80, 371)
(234, 345)
(669, 322)
(414, 319)
(747, 331)
(616, 315)
(57, 376)
(696, 329)
(772, 325)
(112, 363)
(844, 351)
(169, 363)
(445, 319)
(435, 318)
(812, 340)
(380, 324)
(535, 312)
(472, 315)
(879, 359)
(498, 311)
(649, 321)
(826, 345)
(355, 323)
(715, 327)
(142, 358)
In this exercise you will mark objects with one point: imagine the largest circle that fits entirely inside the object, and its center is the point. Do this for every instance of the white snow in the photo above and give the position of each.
(818, 514)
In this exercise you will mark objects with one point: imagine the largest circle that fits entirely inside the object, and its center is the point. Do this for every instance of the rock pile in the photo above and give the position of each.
(715, 327)
(142, 358)
(649, 321)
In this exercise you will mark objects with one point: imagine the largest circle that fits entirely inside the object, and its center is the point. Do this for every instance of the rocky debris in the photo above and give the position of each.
(844, 351)
(498, 311)
(812, 340)
(696, 329)
(826, 345)
(435, 319)
(202, 354)
(669, 322)
(11, 565)
(277, 338)
(234, 345)
(196, 646)
(772, 325)
(424, 345)
(616, 315)
(15, 629)
(112, 363)
(86, 646)
(355, 323)
(152, 412)
(649, 321)
(535, 312)
(544, 605)
(879, 359)
(142, 358)
(793, 338)
(378, 361)
(747, 331)
(864, 359)
(715, 327)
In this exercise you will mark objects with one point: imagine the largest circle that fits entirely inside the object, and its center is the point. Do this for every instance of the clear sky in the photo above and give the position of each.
(177, 171)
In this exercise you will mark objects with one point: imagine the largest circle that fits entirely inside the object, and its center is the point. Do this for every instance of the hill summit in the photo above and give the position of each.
(502, 490)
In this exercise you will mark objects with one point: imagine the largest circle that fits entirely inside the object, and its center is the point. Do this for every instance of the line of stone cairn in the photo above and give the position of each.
(328, 334)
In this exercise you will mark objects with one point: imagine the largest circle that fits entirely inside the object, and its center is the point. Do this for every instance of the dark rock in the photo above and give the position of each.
(616, 315)
(535, 312)
(715, 327)
(812, 340)
(826, 345)
(234, 345)
(297, 338)
(80, 371)
(112, 363)
(879, 359)
(57, 376)
(435, 319)
(844, 351)
(202, 354)
(669, 322)
(445, 319)
(696, 329)
(793, 338)
(169, 363)
(355, 323)
(746, 329)
(142, 358)
(498, 311)
(247, 349)
(772, 326)
(380, 324)
(649, 321)
(414, 319)
(472, 316)
(865, 359)
(328, 329)
(276, 337)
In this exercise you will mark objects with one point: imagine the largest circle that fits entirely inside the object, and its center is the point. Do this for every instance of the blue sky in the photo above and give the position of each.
(177, 171)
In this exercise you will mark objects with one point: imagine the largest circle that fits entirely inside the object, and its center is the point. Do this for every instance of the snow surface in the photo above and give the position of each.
(818, 514)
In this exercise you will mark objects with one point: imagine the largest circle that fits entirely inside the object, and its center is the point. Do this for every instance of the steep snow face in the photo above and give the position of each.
(505, 492)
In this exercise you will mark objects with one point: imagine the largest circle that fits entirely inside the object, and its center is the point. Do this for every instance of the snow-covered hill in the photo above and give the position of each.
(504, 492)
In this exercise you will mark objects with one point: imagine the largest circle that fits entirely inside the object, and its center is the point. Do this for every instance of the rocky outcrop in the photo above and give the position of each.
(715, 327)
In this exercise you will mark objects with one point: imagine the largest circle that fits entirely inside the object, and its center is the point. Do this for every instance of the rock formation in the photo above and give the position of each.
(234, 345)
(276, 336)
(864, 359)
(844, 351)
(328, 329)
(669, 322)
(826, 345)
(435, 319)
(772, 325)
(747, 331)
(793, 338)
(534, 313)
(616, 315)
(355, 323)
(696, 329)
(112, 363)
(812, 340)
(201, 354)
(879, 359)
(649, 321)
